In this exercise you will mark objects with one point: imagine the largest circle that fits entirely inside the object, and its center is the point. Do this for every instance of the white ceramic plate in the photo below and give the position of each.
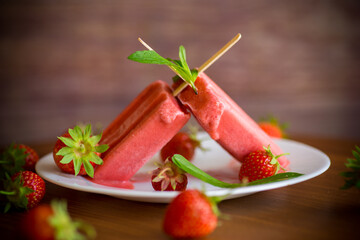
(217, 162)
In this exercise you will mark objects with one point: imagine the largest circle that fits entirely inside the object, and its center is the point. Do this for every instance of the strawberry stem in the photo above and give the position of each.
(8, 193)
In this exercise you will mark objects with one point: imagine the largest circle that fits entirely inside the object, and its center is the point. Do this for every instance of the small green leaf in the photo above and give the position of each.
(89, 169)
(77, 165)
(68, 141)
(87, 131)
(75, 135)
(64, 151)
(101, 148)
(95, 159)
(67, 158)
(94, 139)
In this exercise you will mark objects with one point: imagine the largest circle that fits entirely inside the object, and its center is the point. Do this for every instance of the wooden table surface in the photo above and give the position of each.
(315, 209)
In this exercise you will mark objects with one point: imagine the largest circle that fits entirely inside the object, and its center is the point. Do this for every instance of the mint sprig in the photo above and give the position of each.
(180, 67)
(190, 168)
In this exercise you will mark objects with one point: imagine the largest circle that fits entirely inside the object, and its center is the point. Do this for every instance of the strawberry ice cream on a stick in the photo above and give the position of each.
(138, 133)
(225, 121)
(221, 117)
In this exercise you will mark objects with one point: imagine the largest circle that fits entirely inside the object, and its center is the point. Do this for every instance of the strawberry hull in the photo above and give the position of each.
(225, 121)
(138, 133)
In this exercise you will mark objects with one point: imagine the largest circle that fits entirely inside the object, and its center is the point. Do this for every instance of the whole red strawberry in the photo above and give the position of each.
(23, 190)
(77, 151)
(259, 164)
(31, 157)
(47, 222)
(273, 128)
(168, 177)
(183, 144)
(17, 157)
(191, 214)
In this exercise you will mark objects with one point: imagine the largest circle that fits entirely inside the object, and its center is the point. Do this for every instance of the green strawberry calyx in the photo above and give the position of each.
(67, 228)
(193, 135)
(12, 160)
(274, 159)
(168, 173)
(81, 149)
(15, 192)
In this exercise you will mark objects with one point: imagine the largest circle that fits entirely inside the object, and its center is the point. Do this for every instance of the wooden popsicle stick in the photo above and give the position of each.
(210, 61)
(145, 44)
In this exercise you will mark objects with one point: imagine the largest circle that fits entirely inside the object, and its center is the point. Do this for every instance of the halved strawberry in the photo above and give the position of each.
(168, 177)
(77, 152)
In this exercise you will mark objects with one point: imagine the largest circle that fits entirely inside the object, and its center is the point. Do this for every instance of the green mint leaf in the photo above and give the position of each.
(180, 67)
(176, 62)
(275, 178)
(149, 57)
(188, 167)
(182, 56)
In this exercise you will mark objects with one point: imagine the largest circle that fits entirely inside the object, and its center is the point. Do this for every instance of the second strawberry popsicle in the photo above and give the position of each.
(225, 121)
(139, 132)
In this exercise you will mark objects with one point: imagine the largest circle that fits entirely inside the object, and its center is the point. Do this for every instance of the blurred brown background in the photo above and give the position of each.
(62, 62)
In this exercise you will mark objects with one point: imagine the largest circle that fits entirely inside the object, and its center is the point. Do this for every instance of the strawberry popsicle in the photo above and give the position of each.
(225, 121)
(139, 132)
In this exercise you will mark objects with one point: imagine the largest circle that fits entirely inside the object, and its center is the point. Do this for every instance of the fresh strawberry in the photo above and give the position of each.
(259, 164)
(16, 158)
(191, 214)
(168, 177)
(272, 127)
(77, 152)
(47, 222)
(31, 157)
(23, 190)
(183, 144)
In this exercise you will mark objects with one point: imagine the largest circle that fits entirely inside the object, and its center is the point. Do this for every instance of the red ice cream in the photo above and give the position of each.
(225, 121)
(139, 132)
